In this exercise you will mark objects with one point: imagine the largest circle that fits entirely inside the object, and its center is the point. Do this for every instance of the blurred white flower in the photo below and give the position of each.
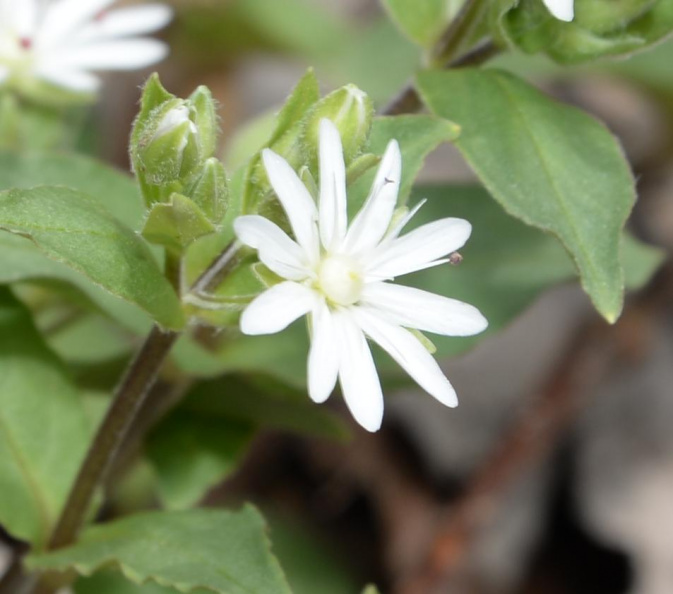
(338, 276)
(62, 41)
(564, 10)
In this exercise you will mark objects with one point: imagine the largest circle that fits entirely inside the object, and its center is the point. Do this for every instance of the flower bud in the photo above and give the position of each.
(351, 110)
(210, 192)
(599, 28)
(172, 140)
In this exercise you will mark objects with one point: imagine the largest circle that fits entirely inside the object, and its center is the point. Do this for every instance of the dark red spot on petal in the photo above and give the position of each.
(26, 43)
(102, 15)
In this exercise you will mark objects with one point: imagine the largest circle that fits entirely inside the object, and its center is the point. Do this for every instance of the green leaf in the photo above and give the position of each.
(223, 552)
(21, 260)
(192, 453)
(111, 188)
(550, 165)
(310, 565)
(112, 582)
(73, 229)
(44, 431)
(423, 21)
(418, 136)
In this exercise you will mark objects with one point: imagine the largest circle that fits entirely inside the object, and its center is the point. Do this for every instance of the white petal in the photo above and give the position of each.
(409, 353)
(373, 220)
(124, 54)
(564, 10)
(428, 312)
(323, 358)
(419, 249)
(296, 201)
(275, 249)
(138, 20)
(64, 17)
(275, 309)
(4, 73)
(357, 374)
(75, 80)
(333, 205)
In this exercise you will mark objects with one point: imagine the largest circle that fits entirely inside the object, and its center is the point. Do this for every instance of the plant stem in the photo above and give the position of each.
(408, 100)
(128, 399)
(460, 31)
(214, 274)
(173, 271)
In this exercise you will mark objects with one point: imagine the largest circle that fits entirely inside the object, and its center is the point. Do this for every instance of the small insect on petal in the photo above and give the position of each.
(455, 258)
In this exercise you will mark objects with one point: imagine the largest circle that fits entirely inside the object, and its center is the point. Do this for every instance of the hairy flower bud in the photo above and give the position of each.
(172, 140)
(351, 111)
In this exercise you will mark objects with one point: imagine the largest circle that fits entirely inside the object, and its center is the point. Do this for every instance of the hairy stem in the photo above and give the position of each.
(129, 397)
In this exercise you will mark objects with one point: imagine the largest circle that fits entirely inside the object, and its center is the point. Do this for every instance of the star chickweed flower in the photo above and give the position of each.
(340, 277)
(563, 10)
(62, 41)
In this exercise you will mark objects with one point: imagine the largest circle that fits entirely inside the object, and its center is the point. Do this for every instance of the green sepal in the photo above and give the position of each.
(211, 191)
(360, 166)
(428, 345)
(204, 115)
(176, 224)
(308, 180)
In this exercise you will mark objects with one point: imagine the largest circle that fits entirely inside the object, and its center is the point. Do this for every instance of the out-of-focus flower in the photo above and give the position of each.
(62, 41)
(339, 276)
(564, 10)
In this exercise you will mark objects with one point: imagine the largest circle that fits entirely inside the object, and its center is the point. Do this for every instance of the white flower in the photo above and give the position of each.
(339, 276)
(61, 41)
(564, 10)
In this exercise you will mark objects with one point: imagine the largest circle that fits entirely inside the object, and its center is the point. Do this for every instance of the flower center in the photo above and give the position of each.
(340, 279)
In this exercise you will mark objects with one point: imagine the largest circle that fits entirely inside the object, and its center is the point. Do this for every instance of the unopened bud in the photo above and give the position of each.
(351, 111)
(172, 140)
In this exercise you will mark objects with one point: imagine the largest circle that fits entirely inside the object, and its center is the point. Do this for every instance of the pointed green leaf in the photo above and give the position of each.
(72, 228)
(423, 21)
(222, 552)
(550, 165)
(44, 431)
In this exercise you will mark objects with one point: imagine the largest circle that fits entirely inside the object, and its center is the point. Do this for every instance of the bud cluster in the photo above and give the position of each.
(172, 151)
(296, 139)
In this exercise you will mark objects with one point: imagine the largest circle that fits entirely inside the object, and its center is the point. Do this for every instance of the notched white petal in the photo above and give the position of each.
(275, 309)
(295, 199)
(425, 311)
(409, 354)
(373, 220)
(333, 205)
(323, 359)
(420, 248)
(357, 374)
(275, 249)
